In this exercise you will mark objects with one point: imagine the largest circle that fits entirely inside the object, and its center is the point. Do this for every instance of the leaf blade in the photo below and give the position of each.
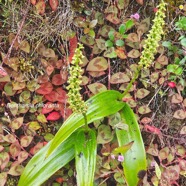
(135, 158)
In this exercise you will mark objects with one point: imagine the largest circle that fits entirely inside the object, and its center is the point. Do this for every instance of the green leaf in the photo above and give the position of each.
(85, 155)
(129, 24)
(179, 71)
(120, 42)
(167, 44)
(91, 33)
(183, 42)
(99, 106)
(122, 29)
(135, 158)
(123, 149)
(111, 35)
(39, 168)
(109, 43)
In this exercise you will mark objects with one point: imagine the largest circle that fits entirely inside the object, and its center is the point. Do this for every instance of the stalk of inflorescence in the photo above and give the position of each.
(151, 43)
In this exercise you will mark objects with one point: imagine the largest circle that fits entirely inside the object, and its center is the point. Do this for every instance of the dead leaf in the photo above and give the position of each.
(97, 64)
(180, 114)
(176, 98)
(25, 46)
(119, 78)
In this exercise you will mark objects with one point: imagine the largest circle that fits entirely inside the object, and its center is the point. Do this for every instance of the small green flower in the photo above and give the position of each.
(75, 99)
(153, 38)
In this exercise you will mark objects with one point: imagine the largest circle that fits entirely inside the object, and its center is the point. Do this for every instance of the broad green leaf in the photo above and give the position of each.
(39, 168)
(85, 155)
(135, 158)
(99, 106)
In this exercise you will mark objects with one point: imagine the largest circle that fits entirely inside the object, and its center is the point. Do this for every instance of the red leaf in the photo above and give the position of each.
(152, 129)
(57, 79)
(3, 72)
(171, 84)
(45, 88)
(48, 107)
(59, 180)
(61, 95)
(51, 96)
(54, 4)
(53, 116)
(72, 47)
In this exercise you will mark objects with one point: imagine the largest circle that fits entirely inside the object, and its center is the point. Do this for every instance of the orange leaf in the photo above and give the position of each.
(121, 53)
(54, 4)
(40, 7)
(33, 2)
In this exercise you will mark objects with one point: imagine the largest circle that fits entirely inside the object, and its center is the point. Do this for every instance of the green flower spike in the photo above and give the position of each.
(153, 38)
(74, 97)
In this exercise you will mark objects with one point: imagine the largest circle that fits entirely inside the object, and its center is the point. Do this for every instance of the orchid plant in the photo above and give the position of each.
(75, 141)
